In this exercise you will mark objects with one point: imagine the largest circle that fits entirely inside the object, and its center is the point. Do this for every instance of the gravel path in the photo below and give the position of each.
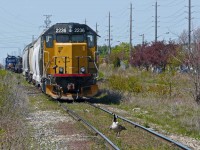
(55, 129)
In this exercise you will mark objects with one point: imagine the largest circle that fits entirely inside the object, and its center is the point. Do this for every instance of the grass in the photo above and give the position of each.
(13, 110)
(43, 102)
(129, 139)
(174, 110)
(175, 119)
(2, 131)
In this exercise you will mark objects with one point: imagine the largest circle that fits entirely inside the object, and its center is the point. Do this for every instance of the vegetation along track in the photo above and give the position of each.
(132, 138)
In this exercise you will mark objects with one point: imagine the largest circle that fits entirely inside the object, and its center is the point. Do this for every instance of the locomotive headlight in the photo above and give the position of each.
(82, 69)
(61, 70)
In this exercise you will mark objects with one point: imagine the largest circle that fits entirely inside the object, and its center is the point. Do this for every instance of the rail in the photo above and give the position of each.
(89, 125)
(146, 129)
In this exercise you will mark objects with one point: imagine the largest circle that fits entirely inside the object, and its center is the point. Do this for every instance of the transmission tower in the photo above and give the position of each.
(47, 21)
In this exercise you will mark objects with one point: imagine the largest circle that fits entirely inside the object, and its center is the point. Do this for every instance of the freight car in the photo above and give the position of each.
(63, 61)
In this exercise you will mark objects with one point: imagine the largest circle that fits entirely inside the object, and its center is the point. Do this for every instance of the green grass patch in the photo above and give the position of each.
(43, 102)
(2, 131)
(3, 73)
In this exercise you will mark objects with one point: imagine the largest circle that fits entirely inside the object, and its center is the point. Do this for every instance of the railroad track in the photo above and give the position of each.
(97, 132)
(145, 129)
(111, 144)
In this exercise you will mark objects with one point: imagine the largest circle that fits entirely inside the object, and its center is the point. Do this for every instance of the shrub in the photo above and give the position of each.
(116, 62)
(101, 75)
(130, 84)
(158, 89)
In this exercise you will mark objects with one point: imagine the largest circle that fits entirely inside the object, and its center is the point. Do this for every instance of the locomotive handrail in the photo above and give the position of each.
(87, 60)
(55, 57)
(95, 61)
(65, 57)
(89, 57)
(47, 66)
(48, 62)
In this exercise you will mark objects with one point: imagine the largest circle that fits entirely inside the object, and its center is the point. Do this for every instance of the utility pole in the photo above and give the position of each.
(156, 21)
(97, 36)
(85, 21)
(47, 21)
(142, 39)
(96, 28)
(189, 26)
(130, 45)
(109, 39)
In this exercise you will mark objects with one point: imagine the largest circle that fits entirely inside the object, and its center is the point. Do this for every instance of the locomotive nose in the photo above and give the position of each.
(71, 58)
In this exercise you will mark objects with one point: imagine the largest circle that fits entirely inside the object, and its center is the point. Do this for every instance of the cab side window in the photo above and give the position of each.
(49, 41)
(90, 41)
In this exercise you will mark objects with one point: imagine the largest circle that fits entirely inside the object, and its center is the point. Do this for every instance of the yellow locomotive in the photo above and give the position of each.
(63, 61)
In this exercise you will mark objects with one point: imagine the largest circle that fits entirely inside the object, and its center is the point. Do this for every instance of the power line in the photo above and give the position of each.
(172, 3)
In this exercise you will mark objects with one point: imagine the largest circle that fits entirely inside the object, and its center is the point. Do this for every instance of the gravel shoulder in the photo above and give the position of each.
(52, 128)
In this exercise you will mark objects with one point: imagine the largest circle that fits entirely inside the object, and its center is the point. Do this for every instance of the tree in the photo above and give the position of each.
(156, 54)
(192, 60)
(194, 63)
(103, 50)
(120, 53)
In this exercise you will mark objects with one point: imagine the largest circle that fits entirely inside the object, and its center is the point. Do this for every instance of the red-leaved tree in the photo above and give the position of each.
(156, 54)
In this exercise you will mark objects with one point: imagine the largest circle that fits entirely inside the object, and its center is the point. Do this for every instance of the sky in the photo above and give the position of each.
(20, 20)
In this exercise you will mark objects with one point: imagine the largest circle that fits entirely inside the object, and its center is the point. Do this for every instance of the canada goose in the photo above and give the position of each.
(116, 127)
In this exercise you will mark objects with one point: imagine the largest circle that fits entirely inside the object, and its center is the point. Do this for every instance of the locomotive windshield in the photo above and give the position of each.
(77, 38)
(64, 38)
(11, 60)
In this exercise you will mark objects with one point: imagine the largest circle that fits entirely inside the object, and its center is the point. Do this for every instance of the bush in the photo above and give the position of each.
(158, 89)
(130, 84)
(116, 62)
